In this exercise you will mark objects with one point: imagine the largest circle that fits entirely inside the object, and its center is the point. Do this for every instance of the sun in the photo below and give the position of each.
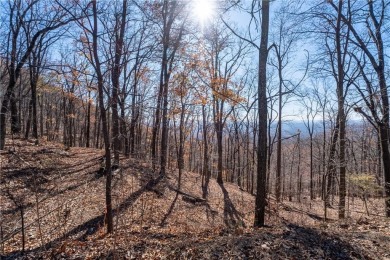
(203, 10)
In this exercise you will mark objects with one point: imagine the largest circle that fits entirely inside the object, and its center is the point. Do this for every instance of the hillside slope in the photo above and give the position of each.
(62, 199)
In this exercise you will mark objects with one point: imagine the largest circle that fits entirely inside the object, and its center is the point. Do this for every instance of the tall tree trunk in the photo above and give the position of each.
(220, 153)
(134, 116)
(15, 122)
(299, 176)
(323, 186)
(181, 145)
(237, 140)
(312, 194)
(41, 116)
(28, 123)
(331, 170)
(341, 113)
(4, 110)
(169, 44)
(109, 217)
(279, 144)
(206, 166)
(164, 129)
(88, 127)
(34, 112)
(116, 71)
(97, 123)
(262, 113)
(254, 158)
(384, 135)
(374, 25)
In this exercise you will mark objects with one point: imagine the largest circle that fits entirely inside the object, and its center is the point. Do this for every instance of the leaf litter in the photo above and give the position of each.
(63, 190)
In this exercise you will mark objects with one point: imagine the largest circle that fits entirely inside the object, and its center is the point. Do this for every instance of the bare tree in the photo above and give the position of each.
(100, 83)
(21, 14)
(284, 41)
(370, 47)
(222, 61)
(171, 39)
(120, 25)
(260, 11)
(312, 108)
(262, 111)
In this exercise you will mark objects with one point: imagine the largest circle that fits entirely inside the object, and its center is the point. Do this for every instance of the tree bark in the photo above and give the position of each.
(262, 111)
(109, 216)
(206, 166)
(341, 112)
(116, 71)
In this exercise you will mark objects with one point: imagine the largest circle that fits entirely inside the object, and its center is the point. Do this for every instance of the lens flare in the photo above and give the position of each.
(203, 11)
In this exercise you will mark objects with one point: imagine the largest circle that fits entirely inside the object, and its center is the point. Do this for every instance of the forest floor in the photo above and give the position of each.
(62, 198)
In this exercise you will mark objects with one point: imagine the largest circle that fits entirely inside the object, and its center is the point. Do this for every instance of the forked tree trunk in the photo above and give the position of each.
(116, 71)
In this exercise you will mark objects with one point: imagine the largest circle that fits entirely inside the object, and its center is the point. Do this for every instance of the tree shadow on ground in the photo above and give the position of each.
(232, 217)
(309, 214)
(169, 212)
(91, 226)
(309, 243)
(295, 242)
(93, 163)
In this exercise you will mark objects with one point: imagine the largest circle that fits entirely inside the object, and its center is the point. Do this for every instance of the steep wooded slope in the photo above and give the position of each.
(61, 194)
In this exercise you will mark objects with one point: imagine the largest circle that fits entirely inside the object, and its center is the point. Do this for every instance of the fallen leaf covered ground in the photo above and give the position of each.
(61, 195)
